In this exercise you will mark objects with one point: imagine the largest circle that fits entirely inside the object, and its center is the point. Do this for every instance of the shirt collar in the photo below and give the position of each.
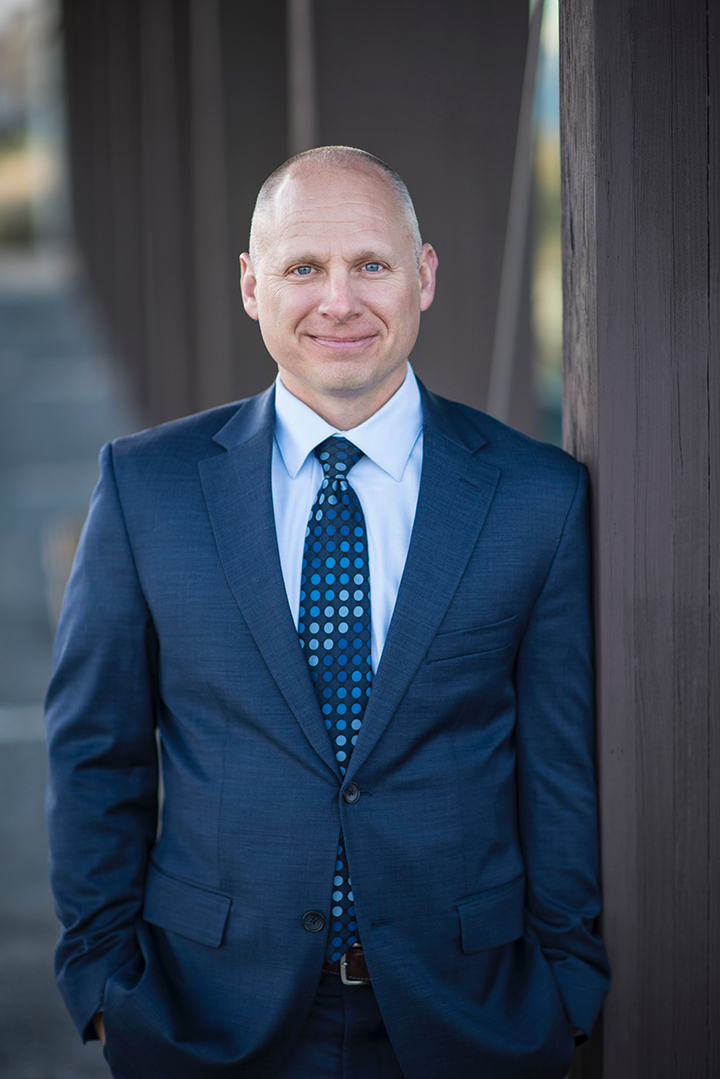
(387, 437)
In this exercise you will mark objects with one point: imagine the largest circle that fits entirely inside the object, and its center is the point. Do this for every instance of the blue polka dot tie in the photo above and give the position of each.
(334, 629)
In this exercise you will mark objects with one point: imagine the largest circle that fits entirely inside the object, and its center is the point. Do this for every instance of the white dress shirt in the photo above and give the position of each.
(386, 480)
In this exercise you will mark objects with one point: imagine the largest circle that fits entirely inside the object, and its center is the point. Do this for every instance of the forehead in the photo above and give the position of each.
(327, 207)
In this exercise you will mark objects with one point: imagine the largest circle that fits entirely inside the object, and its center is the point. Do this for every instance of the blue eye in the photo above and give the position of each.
(303, 271)
(373, 267)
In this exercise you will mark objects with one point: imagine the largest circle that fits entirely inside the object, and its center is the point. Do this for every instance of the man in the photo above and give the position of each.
(357, 617)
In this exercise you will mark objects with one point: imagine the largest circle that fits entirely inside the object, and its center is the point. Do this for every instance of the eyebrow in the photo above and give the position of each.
(371, 256)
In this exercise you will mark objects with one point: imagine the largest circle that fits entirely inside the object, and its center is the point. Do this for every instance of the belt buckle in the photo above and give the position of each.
(343, 971)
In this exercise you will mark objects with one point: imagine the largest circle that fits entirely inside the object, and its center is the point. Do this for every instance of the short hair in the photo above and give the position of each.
(344, 157)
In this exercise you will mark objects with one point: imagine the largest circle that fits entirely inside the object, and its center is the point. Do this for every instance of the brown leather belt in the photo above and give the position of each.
(351, 967)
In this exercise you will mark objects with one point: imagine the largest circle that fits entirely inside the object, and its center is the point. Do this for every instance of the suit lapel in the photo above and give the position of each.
(238, 493)
(456, 490)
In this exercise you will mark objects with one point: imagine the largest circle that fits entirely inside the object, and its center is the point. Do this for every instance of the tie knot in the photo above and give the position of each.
(337, 456)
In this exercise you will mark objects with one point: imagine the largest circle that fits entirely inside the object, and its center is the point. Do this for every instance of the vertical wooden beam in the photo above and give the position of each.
(302, 90)
(686, 282)
(211, 265)
(125, 221)
(86, 53)
(256, 125)
(169, 324)
(639, 239)
(613, 561)
(713, 317)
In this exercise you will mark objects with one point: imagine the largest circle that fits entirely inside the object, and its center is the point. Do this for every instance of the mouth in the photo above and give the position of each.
(343, 344)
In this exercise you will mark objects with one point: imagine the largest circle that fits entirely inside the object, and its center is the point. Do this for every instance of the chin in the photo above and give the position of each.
(352, 372)
(347, 385)
(354, 376)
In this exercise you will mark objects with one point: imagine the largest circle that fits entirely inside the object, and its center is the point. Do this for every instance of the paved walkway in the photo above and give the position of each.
(61, 398)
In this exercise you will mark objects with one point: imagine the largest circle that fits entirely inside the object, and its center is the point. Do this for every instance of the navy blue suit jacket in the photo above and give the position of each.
(472, 846)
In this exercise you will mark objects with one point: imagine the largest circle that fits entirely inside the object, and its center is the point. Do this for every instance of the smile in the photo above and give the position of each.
(343, 343)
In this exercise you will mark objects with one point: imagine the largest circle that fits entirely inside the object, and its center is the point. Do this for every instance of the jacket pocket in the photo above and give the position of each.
(493, 917)
(187, 909)
(468, 642)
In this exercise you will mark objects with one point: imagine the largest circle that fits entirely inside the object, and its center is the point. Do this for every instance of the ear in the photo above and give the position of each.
(248, 285)
(426, 271)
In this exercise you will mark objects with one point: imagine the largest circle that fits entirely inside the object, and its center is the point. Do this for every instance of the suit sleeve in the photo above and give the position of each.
(103, 771)
(555, 739)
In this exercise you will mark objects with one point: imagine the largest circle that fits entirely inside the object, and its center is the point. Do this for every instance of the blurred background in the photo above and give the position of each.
(134, 135)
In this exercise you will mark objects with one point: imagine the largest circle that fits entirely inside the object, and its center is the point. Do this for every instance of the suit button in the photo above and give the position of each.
(351, 793)
(313, 921)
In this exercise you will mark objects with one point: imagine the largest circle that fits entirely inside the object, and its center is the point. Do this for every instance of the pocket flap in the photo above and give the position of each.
(493, 917)
(187, 909)
(477, 639)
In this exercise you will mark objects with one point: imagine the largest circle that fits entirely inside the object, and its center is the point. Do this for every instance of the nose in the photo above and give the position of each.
(340, 300)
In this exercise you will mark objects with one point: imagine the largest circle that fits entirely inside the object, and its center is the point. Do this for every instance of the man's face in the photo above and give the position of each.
(336, 287)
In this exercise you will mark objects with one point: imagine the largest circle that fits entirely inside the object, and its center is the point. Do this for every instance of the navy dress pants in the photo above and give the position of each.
(344, 1037)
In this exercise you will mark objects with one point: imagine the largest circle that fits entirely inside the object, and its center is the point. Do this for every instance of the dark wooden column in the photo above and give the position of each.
(167, 207)
(253, 45)
(640, 97)
(123, 230)
(214, 382)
